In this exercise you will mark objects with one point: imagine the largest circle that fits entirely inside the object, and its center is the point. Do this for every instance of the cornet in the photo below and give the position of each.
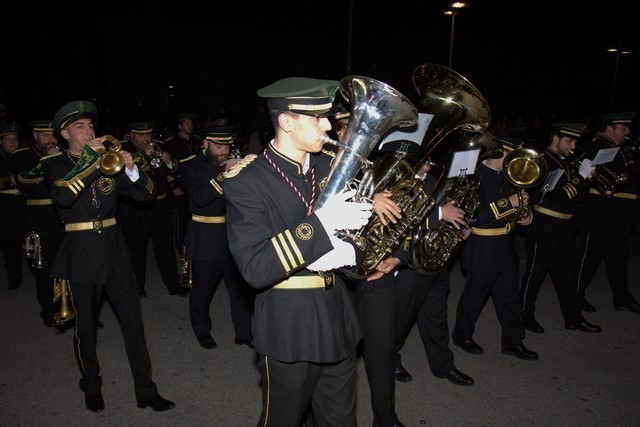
(186, 275)
(111, 160)
(33, 250)
(61, 293)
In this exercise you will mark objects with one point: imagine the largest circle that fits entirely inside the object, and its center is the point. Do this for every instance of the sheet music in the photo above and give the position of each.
(464, 163)
(552, 179)
(605, 155)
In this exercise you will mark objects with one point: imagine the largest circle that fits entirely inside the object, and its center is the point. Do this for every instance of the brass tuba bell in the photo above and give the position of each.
(111, 160)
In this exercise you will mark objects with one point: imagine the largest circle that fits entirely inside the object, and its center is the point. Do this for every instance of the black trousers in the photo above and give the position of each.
(287, 389)
(503, 286)
(207, 275)
(613, 247)
(560, 262)
(375, 304)
(11, 238)
(160, 232)
(123, 295)
(423, 299)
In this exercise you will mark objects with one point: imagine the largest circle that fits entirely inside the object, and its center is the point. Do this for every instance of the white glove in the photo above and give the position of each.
(338, 214)
(585, 168)
(342, 254)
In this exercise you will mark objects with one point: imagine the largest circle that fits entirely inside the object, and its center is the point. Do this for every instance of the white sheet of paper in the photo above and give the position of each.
(605, 155)
(412, 134)
(463, 163)
(552, 179)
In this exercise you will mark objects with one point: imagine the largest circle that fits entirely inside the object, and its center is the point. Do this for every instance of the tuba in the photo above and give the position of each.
(33, 250)
(523, 168)
(453, 102)
(61, 293)
(111, 160)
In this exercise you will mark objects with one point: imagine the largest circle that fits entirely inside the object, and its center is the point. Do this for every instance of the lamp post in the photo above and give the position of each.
(618, 53)
(452, 10)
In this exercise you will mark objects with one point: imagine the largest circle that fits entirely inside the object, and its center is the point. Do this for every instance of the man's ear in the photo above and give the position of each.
(64, 133)
(285, 121)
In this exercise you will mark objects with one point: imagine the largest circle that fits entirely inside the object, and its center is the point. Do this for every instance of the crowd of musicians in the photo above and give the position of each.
(81, 208)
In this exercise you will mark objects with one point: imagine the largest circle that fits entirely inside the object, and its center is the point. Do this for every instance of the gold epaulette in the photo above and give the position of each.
(235, 170)
(19, 150)
(50, 156)
(186, 159)
(329, 152)
(86, 165)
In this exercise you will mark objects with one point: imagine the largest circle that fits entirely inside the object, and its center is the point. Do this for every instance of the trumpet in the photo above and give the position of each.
(33, 250)
(155, 159)
(186, 274)
(111, 160)
(603, 178)
(61, 293)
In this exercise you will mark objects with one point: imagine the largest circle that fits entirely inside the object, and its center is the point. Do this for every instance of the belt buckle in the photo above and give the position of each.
(97, 225)
(328, 281)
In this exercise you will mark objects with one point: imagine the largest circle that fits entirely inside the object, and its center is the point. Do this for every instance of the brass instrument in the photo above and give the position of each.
(33, 250)
(453, 102)
(155, 159)
(632, 142)
(524, 168)
(375, 108)
(61, 293)
(603, 178)
(186, 274)
(111, 160)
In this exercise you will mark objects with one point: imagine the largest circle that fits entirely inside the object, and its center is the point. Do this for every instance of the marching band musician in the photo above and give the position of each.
(605, 223)
(142, 219)
(206, 240)
(305, 328)
(550, 237)
(41, 216)
(490, 260)
(12, 206)
(93, 255)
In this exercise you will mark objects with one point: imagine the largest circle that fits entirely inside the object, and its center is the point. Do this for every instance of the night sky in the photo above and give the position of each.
(548, 57)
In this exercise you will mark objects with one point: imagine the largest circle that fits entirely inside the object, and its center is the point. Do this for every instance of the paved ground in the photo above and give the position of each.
(580, 379)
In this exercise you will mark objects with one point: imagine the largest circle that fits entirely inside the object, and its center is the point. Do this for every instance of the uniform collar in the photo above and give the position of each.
(288, 165)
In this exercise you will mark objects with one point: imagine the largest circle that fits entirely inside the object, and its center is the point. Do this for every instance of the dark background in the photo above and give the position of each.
(526, 58)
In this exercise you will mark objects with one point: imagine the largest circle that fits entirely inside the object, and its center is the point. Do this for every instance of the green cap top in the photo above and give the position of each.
(73, 111)
(300, 95)
(570, 130)
(619, 118)
(9, 130)
(141, 127)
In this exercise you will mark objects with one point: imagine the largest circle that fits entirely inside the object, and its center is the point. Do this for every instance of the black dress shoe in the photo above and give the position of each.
(521, 352)
(628, 306)
(158, 403)
(583, 326)
(402, 375)
(585, 306)
(470, 346)
(94, 402)
(533, 326)
(207, 341)
(456, 377)
(243, 342)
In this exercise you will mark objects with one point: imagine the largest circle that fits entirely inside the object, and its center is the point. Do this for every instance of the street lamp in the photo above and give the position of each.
(452, 10)
(618, 53)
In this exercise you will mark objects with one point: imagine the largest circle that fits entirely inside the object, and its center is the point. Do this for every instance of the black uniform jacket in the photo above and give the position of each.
(271, 239)
(180, 149)
(143, 211)
(490, 253)
(41, 212)
(548, 226)
(89, 256)
(12, 202)
(205, 241)
(610, 213)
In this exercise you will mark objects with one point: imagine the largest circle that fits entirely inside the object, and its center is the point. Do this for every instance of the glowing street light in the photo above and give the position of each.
(452, 10)
(618, 53)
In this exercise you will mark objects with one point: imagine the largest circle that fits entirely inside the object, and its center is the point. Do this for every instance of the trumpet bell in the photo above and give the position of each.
(525, 167)
(111, 160)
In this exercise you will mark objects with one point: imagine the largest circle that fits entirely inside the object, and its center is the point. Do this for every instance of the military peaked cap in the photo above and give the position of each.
(300, 95)
(9, 130)
(222, 135)
(183, 116)
(570, 130)
(42, 125)
(141, 127)
(620, 118)
(73, 111)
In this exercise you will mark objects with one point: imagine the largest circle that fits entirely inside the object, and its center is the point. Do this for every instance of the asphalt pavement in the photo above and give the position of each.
(580, 379)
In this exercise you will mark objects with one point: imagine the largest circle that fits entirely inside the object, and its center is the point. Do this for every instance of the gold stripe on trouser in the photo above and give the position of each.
(628, 196)
(161, 196)
(11, 192)
(306, 282)
(96, 224)
(554, 214)
(490, 231)
(39, 202)
(266, 412)
(208, 219)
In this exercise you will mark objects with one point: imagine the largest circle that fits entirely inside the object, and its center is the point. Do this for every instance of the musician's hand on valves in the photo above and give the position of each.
(128, 160)
(342, 254)
(526, 220)
(385, 267)
(338, 214)
(586, 169)
(452, 214)
(386, 209)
